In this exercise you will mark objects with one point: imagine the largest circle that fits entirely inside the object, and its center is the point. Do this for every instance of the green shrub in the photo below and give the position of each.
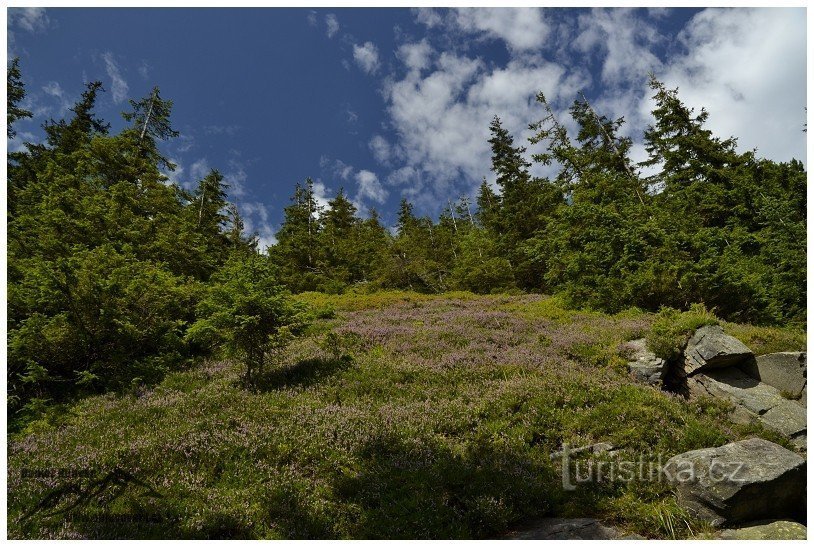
(672, 329)
(105, 319)
(249, 311)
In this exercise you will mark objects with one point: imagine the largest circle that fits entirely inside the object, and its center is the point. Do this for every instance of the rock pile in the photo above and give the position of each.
(754, 488)
(770, 389)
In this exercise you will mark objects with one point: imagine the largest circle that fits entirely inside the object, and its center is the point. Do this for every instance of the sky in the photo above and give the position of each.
(390, 103)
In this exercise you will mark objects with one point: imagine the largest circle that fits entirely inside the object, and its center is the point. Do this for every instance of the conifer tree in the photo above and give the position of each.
(238, 240)
(298, 252)
(488, 203)
(67, 137)
(340, 240)
(15, 95)
(150, 119)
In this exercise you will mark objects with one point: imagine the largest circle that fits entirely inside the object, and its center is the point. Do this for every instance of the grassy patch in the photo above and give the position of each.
(672, 329)
(763, 340)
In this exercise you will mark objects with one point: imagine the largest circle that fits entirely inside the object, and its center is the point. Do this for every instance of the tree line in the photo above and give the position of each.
(116, 276)
(708, 225)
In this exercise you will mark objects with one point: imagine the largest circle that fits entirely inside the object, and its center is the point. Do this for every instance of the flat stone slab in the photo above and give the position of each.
(644, 365)
(785, 371)
(740, 482)
(562, 528)
(769, 529)
(741, 389)
(787, 418)
(710, 348)
(762, 401)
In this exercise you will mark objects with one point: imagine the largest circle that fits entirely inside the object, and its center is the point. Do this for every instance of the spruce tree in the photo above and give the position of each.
(15, 95)
(150, 119)
(340, 241)
(298, 253)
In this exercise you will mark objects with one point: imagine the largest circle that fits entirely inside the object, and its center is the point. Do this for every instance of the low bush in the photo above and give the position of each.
(248, 312)
(672, 328)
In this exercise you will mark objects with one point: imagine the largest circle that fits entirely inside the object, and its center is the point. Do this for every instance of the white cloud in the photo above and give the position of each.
(176, 176)
(17, 143)
(624, 39)
(381, 149)
(441, 119)
(183, 143)
(428, 17)
(198, 170)
(321, 194)
(311, 18)
(337, 168)
(520, 28)
(33, 104)
(369, 187)
(29, 19)
(118, 85)
(332, 24)
(256, 221)
(366, 57)
(235, 177)
(144, 70)
(658, 13)
(748, 68)
(53, 89)
(416, 56)
(229, 130)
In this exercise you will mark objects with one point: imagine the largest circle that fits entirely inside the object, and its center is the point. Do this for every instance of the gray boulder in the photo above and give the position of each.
(769, 529)
(740, 482)
(786, 371)
(561, 528)
(644, 365)
(710, 348)
(753, 400)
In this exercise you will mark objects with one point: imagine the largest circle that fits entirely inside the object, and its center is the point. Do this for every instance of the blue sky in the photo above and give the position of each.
(389, 103)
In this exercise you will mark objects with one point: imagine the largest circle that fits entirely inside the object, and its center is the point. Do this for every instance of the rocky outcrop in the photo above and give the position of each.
(711, 348)
(754, 400)
(561, 528)
(785, 371)
(769, 388)
(644, 365)
(740, 482)
(770, 529)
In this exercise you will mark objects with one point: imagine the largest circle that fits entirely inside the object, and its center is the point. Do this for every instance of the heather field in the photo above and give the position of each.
(397, 415)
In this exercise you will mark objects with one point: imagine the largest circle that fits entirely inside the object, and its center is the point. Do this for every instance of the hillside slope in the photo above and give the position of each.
(397, 416)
